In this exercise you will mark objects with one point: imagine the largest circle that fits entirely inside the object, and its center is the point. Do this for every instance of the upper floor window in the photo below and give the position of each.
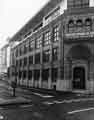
(88, 24)
(38, 42)
(71, 26)
(55, 54)
(16, 52)
(31, 45)
(25, 61)
(20, 62)
(30, 60)
(47, 38)
(56, 33)
(37, 58)
(46, 56)
(79, 25)
(21, 50)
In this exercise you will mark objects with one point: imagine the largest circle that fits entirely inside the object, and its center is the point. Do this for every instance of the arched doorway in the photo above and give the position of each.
(79, 78)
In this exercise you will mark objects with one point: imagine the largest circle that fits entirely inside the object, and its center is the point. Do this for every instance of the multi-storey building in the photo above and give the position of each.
(56, 47)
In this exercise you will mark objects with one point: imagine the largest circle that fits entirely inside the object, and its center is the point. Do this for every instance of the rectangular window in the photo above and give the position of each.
(70, 3)
(31, 45)
(26, 46)
(47, 38)
(45, 74)
(56, 33)
(29, 75)
(36, 75)
(30, 60)
(55, 54)
(24, 74)
(25, 61)
(16, 52)
(54, 74)
(38, 42)
(46, 56)
(20, 62)
(37, 58)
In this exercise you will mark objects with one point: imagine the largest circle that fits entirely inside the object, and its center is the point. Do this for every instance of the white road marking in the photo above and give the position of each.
(44, 96)
(68, 101)
(48, 103)
(24, 106)
(81, 110)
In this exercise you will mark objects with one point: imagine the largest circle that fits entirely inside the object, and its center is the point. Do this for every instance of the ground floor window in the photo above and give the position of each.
(36, 75)
(45, 74)
(29, 74)
(24, 74)
(54, 74)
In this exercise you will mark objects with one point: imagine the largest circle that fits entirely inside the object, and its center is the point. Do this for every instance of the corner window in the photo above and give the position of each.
(56, 33)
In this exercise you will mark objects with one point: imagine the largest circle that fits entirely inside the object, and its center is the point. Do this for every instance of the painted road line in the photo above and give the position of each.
(48, 103)
(44, 96)
(25, 106)
(81, 110)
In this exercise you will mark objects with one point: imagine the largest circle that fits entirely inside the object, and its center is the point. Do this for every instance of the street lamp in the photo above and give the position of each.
(14, 78)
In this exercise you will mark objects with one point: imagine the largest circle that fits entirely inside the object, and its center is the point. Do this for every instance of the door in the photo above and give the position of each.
(79, 78)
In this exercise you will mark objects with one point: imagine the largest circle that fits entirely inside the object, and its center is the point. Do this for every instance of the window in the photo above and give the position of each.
(45, 74)
(16, 52)
(78, 3)
(31, 45)
(29, 75)
(47, 38)
(30, 60)
(36, 75)
(85, 3)
(21, 50)
(24, 74)
(56, 33)
(79, 25)
(70, 3)
(20, 74)
(25, 61)
(37, 58)
(39, 42)
(20, 62)
(26, 46)
(55, 54)
(88, 24)
(46, 56)
(54, 74)
(71, 26)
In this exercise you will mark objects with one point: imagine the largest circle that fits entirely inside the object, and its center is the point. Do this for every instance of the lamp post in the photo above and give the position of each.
(14, 79)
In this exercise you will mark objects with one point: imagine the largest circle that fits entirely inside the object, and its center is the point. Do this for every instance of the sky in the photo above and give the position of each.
(15, 13)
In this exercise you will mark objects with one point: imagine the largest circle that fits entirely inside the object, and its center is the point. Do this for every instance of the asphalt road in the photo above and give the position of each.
(47, 107)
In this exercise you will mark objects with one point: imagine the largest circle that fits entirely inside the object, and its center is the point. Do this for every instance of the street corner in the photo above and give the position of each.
(14, 101)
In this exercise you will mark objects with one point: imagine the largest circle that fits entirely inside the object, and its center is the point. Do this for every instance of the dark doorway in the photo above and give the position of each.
(79, 78)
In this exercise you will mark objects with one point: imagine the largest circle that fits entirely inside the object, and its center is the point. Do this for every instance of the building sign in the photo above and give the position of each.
(79, 35)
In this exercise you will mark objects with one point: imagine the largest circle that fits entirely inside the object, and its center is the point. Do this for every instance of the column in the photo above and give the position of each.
(90, 81)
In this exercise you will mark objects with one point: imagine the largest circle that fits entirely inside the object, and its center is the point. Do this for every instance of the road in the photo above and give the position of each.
(47, 107)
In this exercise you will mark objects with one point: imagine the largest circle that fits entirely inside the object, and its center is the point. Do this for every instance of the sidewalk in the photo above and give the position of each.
(63, 94)
(14, 101)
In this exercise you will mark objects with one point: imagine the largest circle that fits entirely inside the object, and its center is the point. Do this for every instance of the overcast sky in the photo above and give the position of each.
(15, 13)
